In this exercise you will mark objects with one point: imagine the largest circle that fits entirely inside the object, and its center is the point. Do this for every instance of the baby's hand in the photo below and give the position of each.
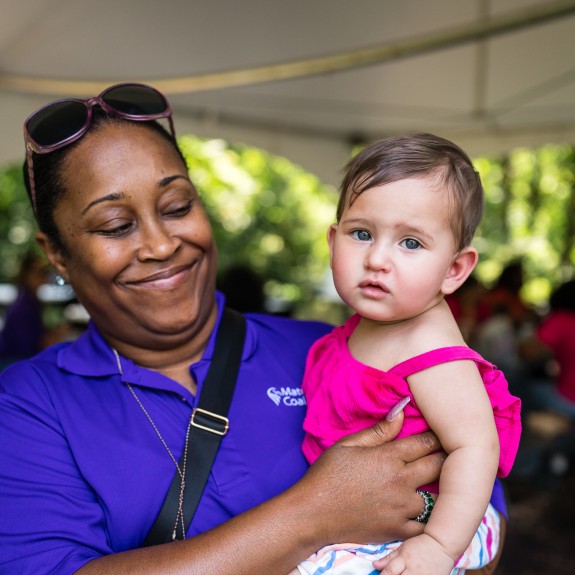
(421, 555)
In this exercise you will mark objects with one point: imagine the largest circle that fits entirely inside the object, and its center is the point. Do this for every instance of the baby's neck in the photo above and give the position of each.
(384, 345)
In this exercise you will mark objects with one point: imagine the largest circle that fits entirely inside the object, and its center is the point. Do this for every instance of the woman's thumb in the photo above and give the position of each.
(381, 432)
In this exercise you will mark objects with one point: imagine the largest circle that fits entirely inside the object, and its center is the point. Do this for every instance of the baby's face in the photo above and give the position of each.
(392, 249)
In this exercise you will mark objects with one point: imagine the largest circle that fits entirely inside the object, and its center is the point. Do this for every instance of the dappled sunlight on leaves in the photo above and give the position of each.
(272, 215)
(529, 214)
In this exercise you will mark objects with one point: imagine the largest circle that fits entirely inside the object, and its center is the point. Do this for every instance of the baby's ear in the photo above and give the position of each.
(330, 240)
(461, 267)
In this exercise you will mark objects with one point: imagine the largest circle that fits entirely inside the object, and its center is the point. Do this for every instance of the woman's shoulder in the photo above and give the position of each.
(287, 326)
(281, 338)
(34, 380)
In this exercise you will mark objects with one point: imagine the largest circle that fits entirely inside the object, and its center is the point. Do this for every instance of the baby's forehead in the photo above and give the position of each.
(429, 182)
(438, 202)
(435, 178)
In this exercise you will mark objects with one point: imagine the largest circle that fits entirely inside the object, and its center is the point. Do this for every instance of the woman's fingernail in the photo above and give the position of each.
(397, 408)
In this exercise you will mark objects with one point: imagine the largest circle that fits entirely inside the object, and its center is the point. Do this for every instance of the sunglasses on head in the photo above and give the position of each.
(63, 122)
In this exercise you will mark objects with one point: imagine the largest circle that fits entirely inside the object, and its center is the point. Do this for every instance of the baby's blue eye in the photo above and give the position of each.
(410, 244)
(361, 235)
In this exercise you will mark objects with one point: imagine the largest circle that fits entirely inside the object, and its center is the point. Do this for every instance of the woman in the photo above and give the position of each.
(92, 430)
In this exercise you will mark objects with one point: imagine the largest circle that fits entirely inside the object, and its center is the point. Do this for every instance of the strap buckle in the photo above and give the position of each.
(222, 424)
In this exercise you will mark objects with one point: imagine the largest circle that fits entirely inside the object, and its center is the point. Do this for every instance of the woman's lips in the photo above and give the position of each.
(165, 279)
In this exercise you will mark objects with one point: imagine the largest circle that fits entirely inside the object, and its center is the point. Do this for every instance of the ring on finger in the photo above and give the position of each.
(428, 503)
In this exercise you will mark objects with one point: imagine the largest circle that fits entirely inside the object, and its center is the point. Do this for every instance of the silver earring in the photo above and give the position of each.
(60, 280)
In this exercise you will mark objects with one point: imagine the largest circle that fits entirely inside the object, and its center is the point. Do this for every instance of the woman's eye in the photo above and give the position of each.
(179, 210)
(115, 231)
(361, 235)
(410, 244)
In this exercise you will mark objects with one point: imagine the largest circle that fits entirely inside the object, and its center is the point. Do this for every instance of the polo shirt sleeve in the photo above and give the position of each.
(50, 519)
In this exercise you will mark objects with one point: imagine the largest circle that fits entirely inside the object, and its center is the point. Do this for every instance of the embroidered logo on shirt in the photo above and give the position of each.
(290, 396)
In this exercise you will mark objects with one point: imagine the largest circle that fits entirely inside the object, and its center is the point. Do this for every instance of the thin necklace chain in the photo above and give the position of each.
(181, 470)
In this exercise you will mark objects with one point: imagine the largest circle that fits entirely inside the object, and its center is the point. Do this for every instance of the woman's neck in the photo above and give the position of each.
(174, 360)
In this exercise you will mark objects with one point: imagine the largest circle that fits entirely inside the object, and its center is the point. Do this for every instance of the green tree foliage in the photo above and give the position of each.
(17, 225)
(271, 215)
(266, 212)
(529, 214)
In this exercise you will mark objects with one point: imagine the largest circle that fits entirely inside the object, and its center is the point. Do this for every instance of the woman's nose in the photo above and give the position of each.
(158, 242)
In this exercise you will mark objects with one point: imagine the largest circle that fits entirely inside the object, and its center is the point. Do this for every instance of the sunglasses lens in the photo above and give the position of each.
(135, 100)
(57, 122)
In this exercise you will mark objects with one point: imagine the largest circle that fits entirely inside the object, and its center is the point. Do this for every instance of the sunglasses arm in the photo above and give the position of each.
(31, 184)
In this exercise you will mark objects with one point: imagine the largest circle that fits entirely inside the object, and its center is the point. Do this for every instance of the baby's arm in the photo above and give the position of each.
(454, 402)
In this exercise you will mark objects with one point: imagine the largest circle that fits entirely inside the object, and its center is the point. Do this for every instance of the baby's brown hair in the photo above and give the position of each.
(419, 155)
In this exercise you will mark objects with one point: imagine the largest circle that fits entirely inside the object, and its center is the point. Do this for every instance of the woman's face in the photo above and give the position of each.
(140, 253)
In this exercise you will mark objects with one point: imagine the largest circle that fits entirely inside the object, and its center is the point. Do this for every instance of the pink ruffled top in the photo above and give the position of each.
(344, 395)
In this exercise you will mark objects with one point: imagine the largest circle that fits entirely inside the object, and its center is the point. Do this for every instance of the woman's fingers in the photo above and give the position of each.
(419, 454)
(383, 432)
(415, 447)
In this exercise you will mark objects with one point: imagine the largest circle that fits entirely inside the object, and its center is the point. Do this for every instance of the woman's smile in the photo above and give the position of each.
(167, 279)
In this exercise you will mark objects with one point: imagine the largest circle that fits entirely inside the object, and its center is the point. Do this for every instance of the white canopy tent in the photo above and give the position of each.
(305, 78)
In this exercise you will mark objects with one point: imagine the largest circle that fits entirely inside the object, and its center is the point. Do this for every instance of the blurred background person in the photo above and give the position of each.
(468, 308)
(553, 346)
(23, 334)
(243, 288)
(505, 295)
(505, 324)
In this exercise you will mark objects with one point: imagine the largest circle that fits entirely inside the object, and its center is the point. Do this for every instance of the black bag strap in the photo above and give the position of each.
(208, 425)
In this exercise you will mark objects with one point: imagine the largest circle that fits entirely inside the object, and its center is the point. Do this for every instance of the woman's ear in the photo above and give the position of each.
(460, 269)
(53, 253)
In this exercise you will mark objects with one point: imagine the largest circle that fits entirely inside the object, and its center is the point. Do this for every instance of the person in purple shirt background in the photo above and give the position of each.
(23, 331)
(90, 430)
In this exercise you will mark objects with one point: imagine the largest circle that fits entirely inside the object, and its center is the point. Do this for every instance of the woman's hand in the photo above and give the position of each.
(363, 489)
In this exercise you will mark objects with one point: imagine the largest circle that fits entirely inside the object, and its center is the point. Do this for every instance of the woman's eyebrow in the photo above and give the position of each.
(106, 198)
(169, 179)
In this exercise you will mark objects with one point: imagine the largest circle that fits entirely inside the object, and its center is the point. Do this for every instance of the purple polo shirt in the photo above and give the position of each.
(82, 471)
